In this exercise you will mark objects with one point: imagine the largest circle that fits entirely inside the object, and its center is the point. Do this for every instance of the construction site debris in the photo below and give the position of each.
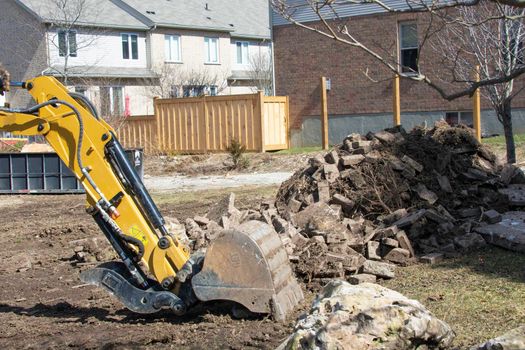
(376, 201)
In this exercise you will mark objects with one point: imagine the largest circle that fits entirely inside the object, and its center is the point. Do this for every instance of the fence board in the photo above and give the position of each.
(207, 124)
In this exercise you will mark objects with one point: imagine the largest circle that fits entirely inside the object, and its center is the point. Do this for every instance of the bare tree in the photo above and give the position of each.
(476, 33)
(69, 36)
(489, 36)
(261, 71)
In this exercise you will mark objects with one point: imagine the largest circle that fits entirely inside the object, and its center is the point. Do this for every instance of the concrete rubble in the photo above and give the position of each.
(512, 340)
(376, 202)
(367, 316)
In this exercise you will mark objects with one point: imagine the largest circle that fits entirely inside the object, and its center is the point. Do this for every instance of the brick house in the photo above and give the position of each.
(119, 51)
(357, 103)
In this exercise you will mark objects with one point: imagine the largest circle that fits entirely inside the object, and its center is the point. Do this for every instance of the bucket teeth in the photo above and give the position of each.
(249, 265)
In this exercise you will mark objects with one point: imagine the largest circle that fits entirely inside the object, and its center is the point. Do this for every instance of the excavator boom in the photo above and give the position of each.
(248, 265)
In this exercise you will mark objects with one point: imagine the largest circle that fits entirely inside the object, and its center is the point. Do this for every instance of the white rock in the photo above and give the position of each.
(367, 316)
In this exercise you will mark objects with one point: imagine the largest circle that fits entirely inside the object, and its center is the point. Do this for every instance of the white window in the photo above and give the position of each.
(408, 47)
(172, 48)
(130, 47)
(242, 52)
(211, 50)
(67, 43)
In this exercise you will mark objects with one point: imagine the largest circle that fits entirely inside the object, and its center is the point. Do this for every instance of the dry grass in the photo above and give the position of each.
(480, 295)
(497, 145)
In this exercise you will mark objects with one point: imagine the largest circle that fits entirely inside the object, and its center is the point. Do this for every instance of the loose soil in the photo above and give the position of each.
(47, 306)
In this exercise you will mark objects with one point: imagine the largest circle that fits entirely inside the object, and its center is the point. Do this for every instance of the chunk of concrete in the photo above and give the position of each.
(362, 278)
(509, 233)
(432, 258)
(380, 269)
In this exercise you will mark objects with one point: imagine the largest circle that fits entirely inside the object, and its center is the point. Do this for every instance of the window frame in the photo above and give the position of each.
(130, 45)
(403, 68)
(166, 49)
(67, 50)
(241, 62)
(207, 51)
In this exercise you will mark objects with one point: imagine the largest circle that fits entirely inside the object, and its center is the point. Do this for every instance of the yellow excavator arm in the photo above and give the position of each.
(157, 270)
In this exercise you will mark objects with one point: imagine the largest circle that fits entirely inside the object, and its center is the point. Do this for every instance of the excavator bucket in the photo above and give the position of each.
(250, 266)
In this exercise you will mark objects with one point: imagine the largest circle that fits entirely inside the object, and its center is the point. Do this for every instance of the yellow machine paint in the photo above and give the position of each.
(60, 127)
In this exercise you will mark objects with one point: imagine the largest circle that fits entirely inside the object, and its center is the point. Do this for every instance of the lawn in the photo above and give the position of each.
(480, 295)
(497, 144)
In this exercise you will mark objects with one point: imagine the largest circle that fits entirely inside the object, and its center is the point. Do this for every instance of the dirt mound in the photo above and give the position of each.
(380, 198)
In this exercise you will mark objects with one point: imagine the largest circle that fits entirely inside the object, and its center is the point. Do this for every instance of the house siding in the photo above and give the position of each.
(99, 49)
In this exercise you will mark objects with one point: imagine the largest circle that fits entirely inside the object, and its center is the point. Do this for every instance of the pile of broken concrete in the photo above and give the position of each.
(377, 201)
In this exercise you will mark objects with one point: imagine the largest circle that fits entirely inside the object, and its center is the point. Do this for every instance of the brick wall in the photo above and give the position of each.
(302, 57)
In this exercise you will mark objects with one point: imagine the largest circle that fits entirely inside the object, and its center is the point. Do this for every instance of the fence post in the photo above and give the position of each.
(324, 113)
(260, 111)
(476, 107)
(287, 111)
(206, 125)
(156, 108)
(396, 101)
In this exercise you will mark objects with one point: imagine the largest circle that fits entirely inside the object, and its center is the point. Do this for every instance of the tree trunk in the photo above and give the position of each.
(505, 113)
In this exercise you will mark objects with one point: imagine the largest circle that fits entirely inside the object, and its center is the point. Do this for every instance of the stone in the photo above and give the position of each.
(390, 242)
(361, 144)
(436, 217)
(317, 161)
(512, 340)
(201, 220)
(355, 177)
(346, 204)
(432, 258)
(469, 212)
(314, 212)
(294, 205)
(318, 239)
(225, 207)
(362, 278)
(444, 183)
(410, 219)
(398, 256)
(213, 231)
(385, 136)
(414, 164)
(515, 193)
(367, 316)
(507, 173)
(332, 157)
(509, 233)
(300, 241)
(351, 160)
(492, 216)
(404, 242)
(323, 191)
(331, 172)
(380, 269)
(395, 216)
(373, 250)
(337, 209)
(424, 193)
(362, 150)
(469, 241)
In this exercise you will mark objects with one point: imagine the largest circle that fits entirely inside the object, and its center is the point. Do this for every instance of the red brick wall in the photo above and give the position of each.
(302, 57)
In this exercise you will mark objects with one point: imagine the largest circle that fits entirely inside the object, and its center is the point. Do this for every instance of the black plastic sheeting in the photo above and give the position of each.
(45, 173)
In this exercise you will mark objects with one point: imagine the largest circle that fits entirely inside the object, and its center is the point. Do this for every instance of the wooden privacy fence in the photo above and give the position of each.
(209, 123)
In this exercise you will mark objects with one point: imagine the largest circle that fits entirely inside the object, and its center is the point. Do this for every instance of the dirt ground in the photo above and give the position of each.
(213, 164)
(46, 306)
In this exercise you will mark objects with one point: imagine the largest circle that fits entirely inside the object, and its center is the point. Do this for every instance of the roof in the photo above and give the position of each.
(93, 13)
(101, 72)
(302, 12)
(241, 18)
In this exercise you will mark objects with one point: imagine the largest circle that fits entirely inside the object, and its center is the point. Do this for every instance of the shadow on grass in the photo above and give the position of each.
(494, 262)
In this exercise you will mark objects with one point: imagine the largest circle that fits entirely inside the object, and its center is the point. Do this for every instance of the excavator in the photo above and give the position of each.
(247, 265)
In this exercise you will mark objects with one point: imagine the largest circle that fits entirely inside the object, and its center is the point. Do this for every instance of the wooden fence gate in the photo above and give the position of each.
(209, 123)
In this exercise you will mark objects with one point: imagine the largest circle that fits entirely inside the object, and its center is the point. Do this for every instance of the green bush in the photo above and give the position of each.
(236, 151)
